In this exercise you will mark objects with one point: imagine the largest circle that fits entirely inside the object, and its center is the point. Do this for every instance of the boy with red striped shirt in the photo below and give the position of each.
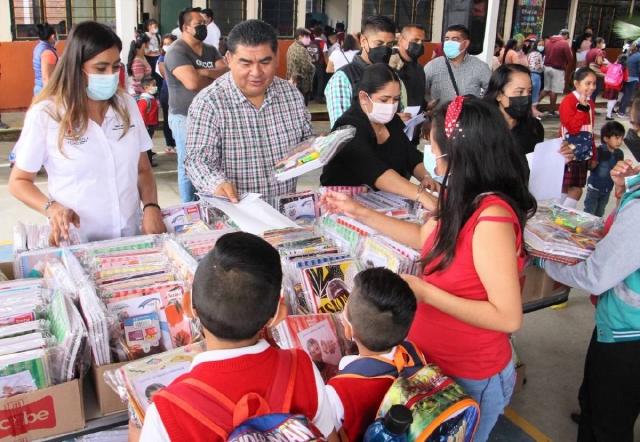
(236, 292)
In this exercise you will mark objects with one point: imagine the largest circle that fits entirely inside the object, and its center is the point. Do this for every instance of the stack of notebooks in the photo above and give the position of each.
(43, 340)
(321, 336)
(300, 207)
(142, 293)
(562, 234)
(137, 382)
(200, 243)
(319, 275)
(313, 153)
(34, 237)
(184, 218)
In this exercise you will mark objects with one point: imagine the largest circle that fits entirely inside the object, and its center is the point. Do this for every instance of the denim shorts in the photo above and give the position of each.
(493, 395)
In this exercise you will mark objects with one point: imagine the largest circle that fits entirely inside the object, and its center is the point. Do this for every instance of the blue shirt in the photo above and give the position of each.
(600, 178)
(633, 63)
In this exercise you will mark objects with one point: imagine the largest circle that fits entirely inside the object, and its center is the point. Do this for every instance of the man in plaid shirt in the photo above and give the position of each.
(246, 121)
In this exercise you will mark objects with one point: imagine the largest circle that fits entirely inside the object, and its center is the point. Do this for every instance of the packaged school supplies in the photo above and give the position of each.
(181, 217)
(137, 382)
(313, 153)
(562, 234)
(200, 243)
(34, 237)
(321, 336)
(71, 333)
(300, 207)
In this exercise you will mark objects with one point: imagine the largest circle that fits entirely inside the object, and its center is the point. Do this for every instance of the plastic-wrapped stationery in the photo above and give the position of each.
(122, 244)
(98, 321)
(313, 153)
(27, 371)
(300, 207)
(321, 336)
(70, 331)
(180, 217)
(137, 382)
(328, 285)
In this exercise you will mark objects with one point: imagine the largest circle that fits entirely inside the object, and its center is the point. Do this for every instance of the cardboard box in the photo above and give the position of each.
(108, 400)
(535, 284)
(44, 413)
(521, 378)
(7, 269)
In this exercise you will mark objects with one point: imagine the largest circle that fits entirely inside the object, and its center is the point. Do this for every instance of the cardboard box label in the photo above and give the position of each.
(19, 418)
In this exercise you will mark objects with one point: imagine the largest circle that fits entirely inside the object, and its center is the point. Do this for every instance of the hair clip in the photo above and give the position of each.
(453, 113)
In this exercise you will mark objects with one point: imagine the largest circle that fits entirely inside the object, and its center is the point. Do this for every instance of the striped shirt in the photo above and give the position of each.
(472, 77)
(230, 140)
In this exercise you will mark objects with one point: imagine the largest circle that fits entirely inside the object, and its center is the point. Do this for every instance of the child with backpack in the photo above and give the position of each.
(148, 107)
(616, 75)
(600, 184)
(235, 294)
(377, 317)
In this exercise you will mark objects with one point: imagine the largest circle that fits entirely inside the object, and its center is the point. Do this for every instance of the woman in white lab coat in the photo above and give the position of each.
(90, 138)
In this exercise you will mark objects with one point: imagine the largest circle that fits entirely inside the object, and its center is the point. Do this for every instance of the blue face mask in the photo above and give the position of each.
(102, 87)
(430, 164)
(451, 48)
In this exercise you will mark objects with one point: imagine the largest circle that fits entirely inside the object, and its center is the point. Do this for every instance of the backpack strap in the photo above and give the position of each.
(406, 361)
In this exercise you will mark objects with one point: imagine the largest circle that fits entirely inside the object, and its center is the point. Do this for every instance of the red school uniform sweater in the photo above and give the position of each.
(234, 378)
(362, 388)
(573, 119)
(148, 107)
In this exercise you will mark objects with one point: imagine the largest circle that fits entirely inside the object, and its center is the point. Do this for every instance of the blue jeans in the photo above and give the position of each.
(178, 125)
(493, 395)
(629, 89)
(596, 201)
(536, 82)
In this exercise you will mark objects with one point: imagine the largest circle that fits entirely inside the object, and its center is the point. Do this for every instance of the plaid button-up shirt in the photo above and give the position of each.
(472, 77)
(228, 139)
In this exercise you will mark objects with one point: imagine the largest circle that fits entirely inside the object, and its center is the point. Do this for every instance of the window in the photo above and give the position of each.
(600, 15)
(502, 17)
(26, 14)
(403, 12)
(228, 13)
(281, 14)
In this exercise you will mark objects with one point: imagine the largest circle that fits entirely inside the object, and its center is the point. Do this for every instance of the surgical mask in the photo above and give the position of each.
(166, 48)
(153, 30)
(632, 183)
(147, 50)
(381, 54)
(540, 48)
(518, 106)
(604, 46)
(451, 48)
(415, 50)
(430, 163)
(201, 32)
(102, 87)
(306, 41)
(153, 90)
(382, 113)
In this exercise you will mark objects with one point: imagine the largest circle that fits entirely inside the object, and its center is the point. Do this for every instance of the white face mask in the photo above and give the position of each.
(166, 48)
(604, 45)
(153, 90)
(382, 113)
(431, 163)
(306, 41)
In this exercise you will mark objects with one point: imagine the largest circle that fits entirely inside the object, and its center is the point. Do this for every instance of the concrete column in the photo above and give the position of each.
(252, 9)
(126, 22)
(573, 14)
(508, 20)
(437, 25)
(5, 22)
(354, 16)
(301, 16)
(490, 32)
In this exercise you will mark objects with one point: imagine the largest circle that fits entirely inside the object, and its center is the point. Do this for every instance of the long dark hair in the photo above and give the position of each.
(67, 86)
(136, 44)
(511, 45)
(349, 43)
(500, 78)
(481, 158)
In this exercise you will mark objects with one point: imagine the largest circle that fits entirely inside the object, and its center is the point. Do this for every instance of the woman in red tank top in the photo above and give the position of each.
(469, 294)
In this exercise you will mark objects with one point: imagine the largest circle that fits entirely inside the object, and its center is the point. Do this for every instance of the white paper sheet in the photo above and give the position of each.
(412, 124)
(252, 214)
(413, 110)
(547, 170)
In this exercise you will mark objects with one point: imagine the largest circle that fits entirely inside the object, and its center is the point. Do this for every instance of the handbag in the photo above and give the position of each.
(582, 143)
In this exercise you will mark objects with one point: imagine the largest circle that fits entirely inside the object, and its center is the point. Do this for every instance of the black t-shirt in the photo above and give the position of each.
(363, 160)
(412, 75)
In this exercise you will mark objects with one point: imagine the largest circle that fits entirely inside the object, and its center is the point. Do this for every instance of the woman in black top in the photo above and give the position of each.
(380, 155)
(510, 89)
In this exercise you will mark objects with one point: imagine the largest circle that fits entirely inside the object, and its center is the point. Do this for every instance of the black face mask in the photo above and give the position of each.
(201, 32)
(381, 54)
(519, 106)
(632, 140)
(415, 50)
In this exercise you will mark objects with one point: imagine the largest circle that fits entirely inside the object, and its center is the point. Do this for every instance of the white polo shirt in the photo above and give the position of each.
(95, 175)
(154, 430)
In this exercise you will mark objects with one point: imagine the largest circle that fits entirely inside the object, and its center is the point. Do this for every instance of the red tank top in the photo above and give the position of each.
(460, 349)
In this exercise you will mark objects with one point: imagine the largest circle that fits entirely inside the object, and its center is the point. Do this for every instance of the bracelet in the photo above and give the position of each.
(48, 204)
(420, 189)
(150, 205)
